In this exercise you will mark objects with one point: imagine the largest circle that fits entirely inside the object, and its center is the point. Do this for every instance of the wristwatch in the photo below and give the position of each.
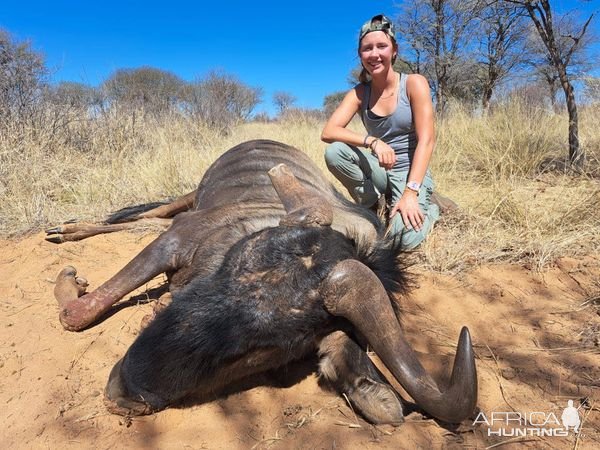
(413, 186)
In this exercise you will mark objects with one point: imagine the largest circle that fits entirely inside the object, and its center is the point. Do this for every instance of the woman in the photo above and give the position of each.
(397, 112)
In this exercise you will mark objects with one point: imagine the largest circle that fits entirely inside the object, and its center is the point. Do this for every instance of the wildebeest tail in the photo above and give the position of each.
(129, 213)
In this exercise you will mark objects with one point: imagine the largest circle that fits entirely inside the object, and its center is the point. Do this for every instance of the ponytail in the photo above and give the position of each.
(364, 76)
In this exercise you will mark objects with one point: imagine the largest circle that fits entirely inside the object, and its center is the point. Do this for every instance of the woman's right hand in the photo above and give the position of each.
(385, 154)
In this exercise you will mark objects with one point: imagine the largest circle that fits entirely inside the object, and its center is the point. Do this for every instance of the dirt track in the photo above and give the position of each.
(536, 341)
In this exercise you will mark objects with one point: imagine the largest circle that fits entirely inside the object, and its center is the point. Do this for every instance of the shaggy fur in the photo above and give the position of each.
(260, 310)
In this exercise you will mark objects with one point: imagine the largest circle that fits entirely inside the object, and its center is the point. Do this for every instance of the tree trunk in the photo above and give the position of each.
(552, 92)
(440, 97)
(576, 155)
(440, 66)
(485, 99)
(545, 29)
(488, 88)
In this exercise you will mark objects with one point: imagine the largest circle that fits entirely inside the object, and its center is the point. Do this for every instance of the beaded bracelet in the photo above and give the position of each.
(365, 141)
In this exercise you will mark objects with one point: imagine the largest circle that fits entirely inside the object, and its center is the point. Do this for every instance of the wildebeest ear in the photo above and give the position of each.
(304, 206)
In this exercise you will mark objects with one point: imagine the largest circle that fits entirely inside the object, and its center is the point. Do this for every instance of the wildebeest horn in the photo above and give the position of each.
(304, 207)
(353, 291)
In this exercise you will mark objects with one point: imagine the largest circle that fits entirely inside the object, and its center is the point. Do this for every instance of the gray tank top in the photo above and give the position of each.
(397, 130)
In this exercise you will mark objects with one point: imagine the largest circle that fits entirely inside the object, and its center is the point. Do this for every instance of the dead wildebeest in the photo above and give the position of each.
(270, 265)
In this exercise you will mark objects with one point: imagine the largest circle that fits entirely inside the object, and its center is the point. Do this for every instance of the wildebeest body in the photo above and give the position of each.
(270, 264)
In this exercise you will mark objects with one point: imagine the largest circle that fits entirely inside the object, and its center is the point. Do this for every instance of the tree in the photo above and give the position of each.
(437, 33)
(23, 81)
(332, 101)
(592, 88)
(72, 94)
(221, 100)
(283, 101)
(540, 12)
(502, 34)
(543, 69)
(154, 91)
(532, 96)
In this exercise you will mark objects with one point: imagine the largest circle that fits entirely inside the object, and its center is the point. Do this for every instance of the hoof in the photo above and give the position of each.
(75, 316)
(377, 402)
(163, 301)
(55, 230)
(69, 292)
(69, 286)
(55, 238)
(55, 235)
(82, 283)
(116, 398)
(146, 320)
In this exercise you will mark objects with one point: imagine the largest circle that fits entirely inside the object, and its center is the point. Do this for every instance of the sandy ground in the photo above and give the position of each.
(536, 338)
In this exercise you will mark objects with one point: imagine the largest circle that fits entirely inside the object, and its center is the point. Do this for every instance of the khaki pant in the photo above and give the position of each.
(365, 180)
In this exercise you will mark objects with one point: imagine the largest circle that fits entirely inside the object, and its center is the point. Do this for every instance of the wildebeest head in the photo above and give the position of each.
(353, 291)
(277, 293)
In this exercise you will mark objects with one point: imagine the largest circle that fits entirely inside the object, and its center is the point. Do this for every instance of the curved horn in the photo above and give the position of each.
(353, 291)
(304, 207)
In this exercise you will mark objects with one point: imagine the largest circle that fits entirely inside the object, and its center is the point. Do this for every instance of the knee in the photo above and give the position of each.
(409, 237)
(412, 238)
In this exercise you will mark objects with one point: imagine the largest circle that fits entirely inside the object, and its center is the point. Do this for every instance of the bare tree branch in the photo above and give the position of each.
(540, 13)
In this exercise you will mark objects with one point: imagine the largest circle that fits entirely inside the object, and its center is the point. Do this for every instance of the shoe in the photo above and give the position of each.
(444, 203)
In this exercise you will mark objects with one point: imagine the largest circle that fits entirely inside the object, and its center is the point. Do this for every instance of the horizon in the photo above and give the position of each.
(280, 47)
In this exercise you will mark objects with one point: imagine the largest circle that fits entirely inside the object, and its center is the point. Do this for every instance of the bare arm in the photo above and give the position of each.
(335, 129)
(417, 89)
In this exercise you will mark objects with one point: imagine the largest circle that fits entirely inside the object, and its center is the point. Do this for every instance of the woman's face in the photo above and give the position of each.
(376, 52)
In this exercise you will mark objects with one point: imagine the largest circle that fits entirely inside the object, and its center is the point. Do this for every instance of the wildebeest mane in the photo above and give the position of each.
(388, 261)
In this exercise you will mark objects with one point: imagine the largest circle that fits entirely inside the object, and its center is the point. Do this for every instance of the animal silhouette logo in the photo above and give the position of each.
(570, 417)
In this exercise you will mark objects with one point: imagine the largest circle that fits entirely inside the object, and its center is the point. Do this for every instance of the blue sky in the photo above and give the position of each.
(306, 48)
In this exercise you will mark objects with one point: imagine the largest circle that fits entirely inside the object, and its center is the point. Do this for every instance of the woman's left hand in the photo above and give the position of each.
(409, 208)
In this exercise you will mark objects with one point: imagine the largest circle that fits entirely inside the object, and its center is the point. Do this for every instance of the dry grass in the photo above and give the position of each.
(517, 204)
(501, 170)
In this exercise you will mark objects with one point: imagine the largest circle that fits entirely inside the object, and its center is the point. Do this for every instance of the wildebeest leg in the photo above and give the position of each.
(347, 367)
(82, 230)
(79, 310)
(159, 216)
